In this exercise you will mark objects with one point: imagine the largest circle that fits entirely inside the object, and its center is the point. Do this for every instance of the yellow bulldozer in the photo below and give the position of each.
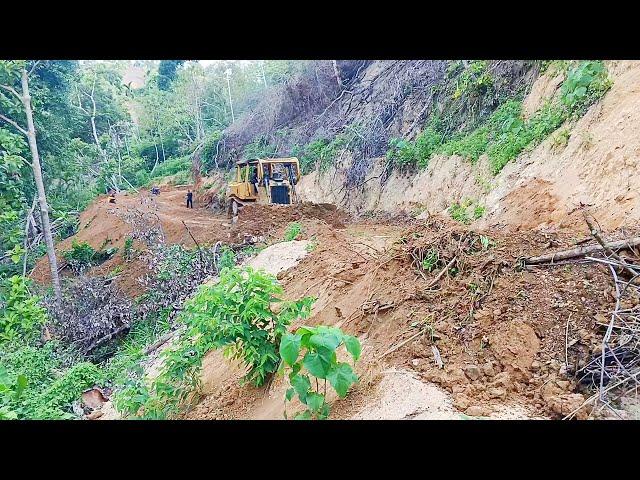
(264, 181)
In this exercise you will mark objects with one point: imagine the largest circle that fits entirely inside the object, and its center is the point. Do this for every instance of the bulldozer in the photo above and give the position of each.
(263, 181)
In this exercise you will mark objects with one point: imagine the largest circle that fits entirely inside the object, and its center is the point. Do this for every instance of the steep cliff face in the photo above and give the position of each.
(597, 166)
(377, 99)
(591, 160)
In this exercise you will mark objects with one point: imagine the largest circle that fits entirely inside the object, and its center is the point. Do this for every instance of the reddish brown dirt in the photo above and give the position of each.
(499, 330)
(102, 226)
(502, 340)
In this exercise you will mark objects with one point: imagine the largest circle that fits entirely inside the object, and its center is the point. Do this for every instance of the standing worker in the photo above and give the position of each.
(189, 199)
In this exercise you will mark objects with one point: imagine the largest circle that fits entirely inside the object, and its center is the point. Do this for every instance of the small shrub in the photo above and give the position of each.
(227, 258)
(238, 314)
(584, 85)
(54, 401)
(430, 260)
(311, 352)
(83, 256)
(401, 152)
(486, 242)
(117, 270)
(459, 213)
(10, 393)
(293, 230)
(128, 249)
(312, 245)
(561, 139)
(478, 212)
(21, 315)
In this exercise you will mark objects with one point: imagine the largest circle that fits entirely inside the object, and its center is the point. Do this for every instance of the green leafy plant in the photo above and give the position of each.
(505, 133)
(585, 83)
(474, 80)
(478, 212)
(116, 271)
(323, 152)
(312, 245)
(127, 252)
(293, 230)
(243, 314)
(21, 315)
(486, 242)
(458, 212)
(561, 138)
(53, 402)
(227, 258)
(311, 352)
(10, 393)
(82, 255)
(430, 260)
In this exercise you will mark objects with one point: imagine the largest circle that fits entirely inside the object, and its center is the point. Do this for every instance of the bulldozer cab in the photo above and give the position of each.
(265, 181)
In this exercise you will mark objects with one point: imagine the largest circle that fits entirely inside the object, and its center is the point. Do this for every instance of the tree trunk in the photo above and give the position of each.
(337, 73)
(37, 175)
(233, 117)
(264, 77)
(161, 142)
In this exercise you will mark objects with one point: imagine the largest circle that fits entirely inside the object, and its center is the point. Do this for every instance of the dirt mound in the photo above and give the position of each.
(254, 218)
(449, 303)
(499, 331)
(105, 225)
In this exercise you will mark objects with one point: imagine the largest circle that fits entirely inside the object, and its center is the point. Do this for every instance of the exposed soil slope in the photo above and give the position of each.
(500, 332)
(541, 188)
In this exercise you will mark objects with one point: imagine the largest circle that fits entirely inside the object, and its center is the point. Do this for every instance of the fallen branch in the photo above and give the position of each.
(401, 344)
(596, 234)
(161, 341)
(105, 339)
(442, 272)
(581, 251)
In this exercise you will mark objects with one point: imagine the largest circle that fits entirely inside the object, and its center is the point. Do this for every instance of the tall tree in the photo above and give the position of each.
(167, 73)
(10, 73)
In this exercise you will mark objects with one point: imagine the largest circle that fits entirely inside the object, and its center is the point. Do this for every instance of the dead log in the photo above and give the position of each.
(162, 340)
(105, 339)
(581, 251)
(596, 235)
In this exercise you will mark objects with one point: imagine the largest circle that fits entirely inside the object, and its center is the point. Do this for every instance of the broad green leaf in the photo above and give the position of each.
(341, 378)
(319, 363)
(315, 401)
(290, 393)
(325, 339)
(306, 415)
(580, 91)
(21, 384)
(353, 346)
(290, 348)
(302, 385)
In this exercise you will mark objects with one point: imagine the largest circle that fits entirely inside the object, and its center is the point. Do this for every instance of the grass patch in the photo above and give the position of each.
(506, 133)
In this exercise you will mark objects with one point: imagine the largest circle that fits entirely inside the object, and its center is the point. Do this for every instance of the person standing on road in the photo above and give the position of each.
(189, 199)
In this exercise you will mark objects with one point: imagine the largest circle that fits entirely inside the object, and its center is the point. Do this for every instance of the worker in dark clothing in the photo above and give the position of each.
(254, 180)
(189, 199)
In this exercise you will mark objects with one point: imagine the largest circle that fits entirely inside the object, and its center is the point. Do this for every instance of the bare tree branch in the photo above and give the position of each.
(11, 122)
(12, 90)
(33, 67)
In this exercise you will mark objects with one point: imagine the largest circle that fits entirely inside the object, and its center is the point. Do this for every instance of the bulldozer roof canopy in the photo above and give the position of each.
(255, 161)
